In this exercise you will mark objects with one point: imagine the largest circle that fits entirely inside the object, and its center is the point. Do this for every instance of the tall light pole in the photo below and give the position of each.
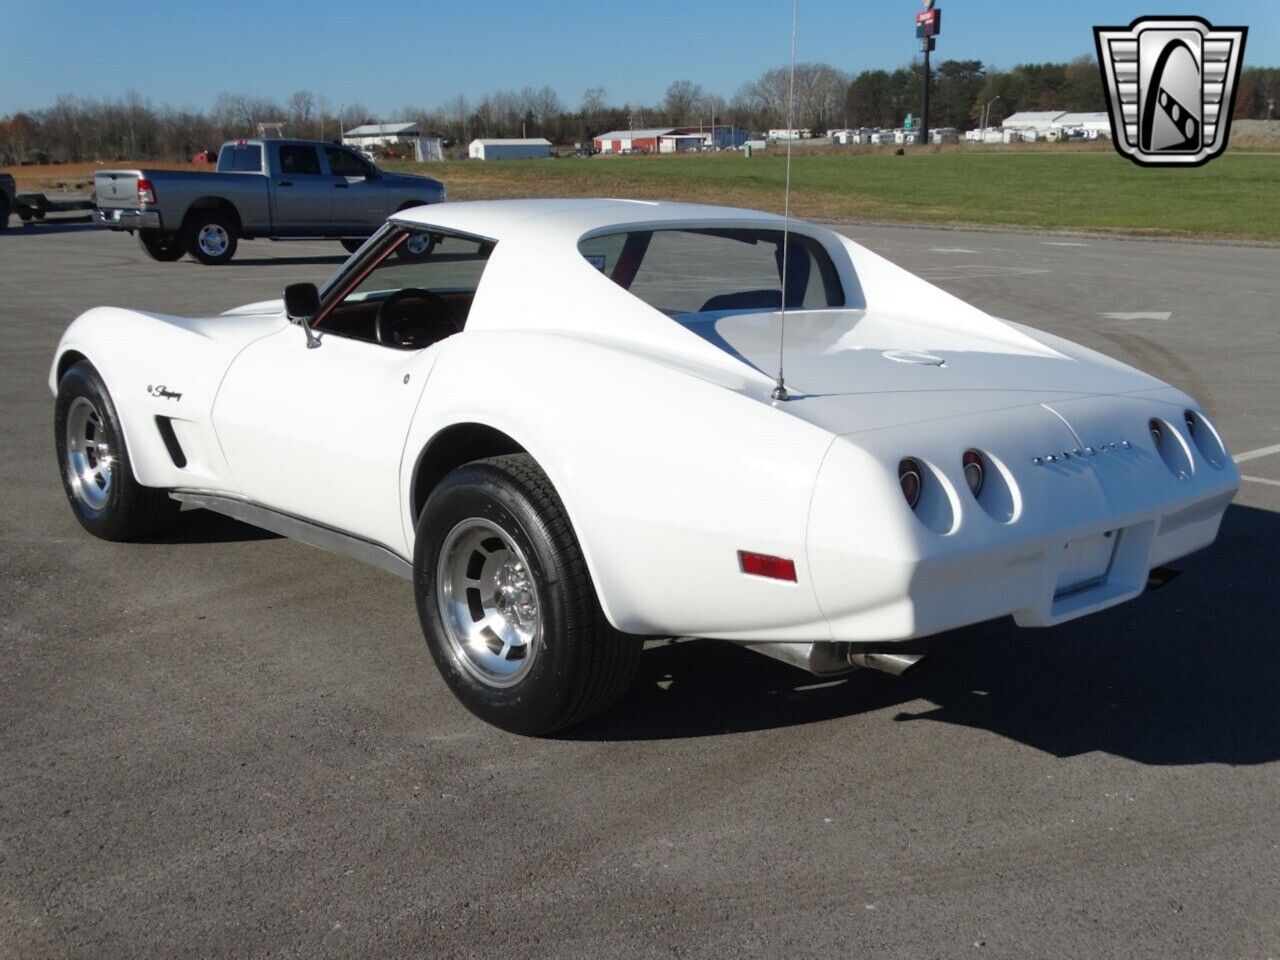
(986, 113)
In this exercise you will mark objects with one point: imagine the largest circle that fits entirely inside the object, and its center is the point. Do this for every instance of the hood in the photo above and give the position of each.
(412, 178)
(261, 307)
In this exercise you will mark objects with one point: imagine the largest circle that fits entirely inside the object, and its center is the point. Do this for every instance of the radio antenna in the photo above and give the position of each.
(780, 389)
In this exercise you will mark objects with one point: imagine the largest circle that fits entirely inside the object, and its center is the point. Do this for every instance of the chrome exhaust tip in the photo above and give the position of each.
(894, 663)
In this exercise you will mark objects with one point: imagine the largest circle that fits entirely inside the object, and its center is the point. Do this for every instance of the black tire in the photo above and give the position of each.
(581, 665)
(161, 245)
(4, 212)
(200, 220)
(351, 246)
(128, 510)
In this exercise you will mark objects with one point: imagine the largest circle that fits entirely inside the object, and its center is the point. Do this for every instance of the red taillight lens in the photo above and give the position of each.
(763, 565)
(911, 479)
(146, 192)
(975, 471)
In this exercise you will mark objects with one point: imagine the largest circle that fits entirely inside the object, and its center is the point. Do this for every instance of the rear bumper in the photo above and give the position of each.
(128, 219)
(1047, 542)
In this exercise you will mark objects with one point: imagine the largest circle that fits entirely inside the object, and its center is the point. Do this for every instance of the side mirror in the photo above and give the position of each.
(302, 303)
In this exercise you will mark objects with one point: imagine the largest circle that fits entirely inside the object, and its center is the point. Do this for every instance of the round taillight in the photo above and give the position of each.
(975, 471)
(1157, 433)
(911, 479)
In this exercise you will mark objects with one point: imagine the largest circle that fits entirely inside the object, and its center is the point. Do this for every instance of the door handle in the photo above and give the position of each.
(285, 183)
(341, 186)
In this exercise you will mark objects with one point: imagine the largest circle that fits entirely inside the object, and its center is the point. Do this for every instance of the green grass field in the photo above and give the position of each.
(1237, 195)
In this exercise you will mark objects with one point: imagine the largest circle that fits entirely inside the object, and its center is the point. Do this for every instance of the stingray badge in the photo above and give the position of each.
(1171, 86)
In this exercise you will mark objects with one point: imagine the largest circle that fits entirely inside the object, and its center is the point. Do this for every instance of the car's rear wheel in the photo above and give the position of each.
(351, 246)
(507, 604)
(4, 212)
(211, 237)
(161, 245)
(97, 473)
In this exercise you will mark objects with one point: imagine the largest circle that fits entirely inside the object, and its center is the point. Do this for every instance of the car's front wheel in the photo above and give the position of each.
(507, 604)
(97, 473)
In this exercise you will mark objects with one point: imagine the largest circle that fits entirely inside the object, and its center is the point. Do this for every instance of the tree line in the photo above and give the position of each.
(132, 127)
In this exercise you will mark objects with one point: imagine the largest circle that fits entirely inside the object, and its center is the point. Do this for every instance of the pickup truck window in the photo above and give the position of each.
(299, 160)
(240, 158)
(344, 163)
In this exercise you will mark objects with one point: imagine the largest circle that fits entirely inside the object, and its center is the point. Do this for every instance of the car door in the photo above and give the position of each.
(319, 433)
(301, 191)
(361, 200)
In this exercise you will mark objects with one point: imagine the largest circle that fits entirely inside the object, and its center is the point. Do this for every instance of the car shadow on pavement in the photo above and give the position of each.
(1187, 674)
(44, 227)
(205, 526)
(244, 260)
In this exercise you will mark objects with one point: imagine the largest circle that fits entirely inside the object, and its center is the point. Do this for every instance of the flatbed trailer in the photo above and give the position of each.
(34, 206)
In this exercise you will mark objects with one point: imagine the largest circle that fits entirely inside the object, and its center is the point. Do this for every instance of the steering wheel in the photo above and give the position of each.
(384, 323)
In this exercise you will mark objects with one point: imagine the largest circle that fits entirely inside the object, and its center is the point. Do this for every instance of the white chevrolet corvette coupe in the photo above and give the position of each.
(562, 420)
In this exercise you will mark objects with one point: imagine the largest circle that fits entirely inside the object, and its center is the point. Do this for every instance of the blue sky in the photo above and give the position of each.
(388, 53)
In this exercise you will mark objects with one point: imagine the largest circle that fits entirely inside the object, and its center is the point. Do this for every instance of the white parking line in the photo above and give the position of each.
(1062, 243)
(951, 250)
(1273, 483)
(1255, 454)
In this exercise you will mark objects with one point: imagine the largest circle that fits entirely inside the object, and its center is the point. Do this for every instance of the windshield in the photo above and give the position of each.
(686, 273)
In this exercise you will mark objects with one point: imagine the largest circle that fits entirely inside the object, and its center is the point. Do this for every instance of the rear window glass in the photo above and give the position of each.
(706, 271)
(240, 158)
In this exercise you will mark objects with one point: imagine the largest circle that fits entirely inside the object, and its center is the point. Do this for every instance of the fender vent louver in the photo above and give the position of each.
(165, 426)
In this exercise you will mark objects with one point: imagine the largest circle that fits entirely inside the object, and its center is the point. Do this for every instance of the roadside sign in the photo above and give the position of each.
(929, 23)
(908, 122)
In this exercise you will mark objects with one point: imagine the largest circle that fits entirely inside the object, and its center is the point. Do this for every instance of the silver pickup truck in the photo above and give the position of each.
(277, 189)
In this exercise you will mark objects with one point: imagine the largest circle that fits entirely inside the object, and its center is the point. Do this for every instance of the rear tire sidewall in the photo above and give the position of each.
(534, 704)
(197, 222)
(161, 246)
(351, 246)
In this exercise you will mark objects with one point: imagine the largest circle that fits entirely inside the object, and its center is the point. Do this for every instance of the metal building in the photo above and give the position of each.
(523, 148)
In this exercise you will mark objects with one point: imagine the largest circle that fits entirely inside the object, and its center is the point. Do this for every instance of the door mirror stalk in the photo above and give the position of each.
(301, 304)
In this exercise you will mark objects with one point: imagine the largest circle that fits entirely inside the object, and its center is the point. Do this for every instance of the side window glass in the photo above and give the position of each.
(343, 163)
(299, 160)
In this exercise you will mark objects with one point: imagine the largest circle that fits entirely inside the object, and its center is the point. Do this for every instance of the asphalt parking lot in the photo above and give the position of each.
(234, 745)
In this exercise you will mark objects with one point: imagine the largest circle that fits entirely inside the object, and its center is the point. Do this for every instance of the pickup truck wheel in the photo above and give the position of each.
(211, 237)
(160, 245)
(507, 604)
(97, 474)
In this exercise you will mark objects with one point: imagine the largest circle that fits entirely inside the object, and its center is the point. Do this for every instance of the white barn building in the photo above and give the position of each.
(402, 137)
(520, 148)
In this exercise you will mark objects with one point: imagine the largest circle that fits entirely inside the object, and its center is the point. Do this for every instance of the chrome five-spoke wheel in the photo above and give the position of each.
(89, 454)
(213, 239)
(488, 603)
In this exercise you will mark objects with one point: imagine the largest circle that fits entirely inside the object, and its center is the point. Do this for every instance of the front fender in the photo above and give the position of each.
(156, 365)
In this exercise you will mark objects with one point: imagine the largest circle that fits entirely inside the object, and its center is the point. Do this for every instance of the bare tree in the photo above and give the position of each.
(681, 100)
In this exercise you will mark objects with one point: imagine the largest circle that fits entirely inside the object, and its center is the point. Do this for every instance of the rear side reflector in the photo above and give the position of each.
(763, 565)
